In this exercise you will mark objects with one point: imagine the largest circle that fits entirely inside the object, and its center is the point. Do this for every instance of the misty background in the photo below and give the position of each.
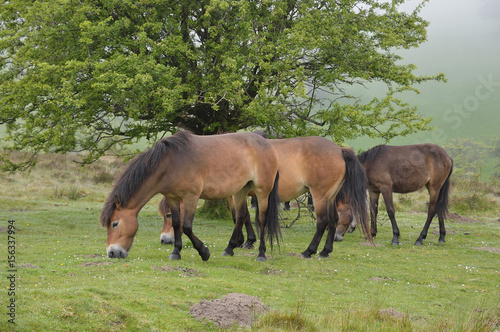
(463, 43)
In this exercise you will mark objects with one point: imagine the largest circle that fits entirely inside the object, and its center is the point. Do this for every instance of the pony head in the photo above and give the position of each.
(122, 227)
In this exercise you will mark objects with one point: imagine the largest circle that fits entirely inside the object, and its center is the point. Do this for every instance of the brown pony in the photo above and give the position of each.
(186, 167)
(404, 169)
(320, 166)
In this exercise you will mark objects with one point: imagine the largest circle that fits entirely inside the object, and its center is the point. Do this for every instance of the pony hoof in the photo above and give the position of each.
(247, 246)
(324, 255)
(174, 257)
(395, 243)
(226, 253)
(305, 255)
(418, 243)
(261, 259)
(441, 241)
(205, 254)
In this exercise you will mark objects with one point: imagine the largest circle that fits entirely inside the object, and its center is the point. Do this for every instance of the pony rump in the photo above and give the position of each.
(354, 187)
(139, 170)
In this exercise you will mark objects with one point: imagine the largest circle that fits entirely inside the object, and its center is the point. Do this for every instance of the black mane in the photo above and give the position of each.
(139, 170)
(370, 155)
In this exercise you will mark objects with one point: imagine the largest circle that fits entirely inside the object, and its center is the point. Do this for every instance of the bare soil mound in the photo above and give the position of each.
(234, 308)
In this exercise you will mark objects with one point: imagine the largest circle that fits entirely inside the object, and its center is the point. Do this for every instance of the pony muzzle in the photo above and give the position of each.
(167, 238)
(116, 251)
(338, 237)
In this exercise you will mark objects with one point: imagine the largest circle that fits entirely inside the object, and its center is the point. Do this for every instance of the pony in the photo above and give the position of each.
(317, 165)
(185, 168)
(405, 169)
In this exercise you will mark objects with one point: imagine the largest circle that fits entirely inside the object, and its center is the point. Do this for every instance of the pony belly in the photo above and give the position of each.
(407, 187)
(288, 191)
(221, 190)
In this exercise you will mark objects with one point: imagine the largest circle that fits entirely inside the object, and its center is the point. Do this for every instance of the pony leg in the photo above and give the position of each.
(374, 196)
(442, 230)
(241, 237)
(262, 219)
(321, 224)
(251, 238)
(176, 224)
(387, 194)
(332, 230)
(187, 227)
(240, 209)
(430, 215)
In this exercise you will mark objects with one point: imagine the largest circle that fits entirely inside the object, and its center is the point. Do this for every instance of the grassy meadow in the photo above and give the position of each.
(65, 282)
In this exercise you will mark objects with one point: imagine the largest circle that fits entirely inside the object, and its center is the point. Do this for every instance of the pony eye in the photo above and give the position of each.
(169, 215)
(115, 224)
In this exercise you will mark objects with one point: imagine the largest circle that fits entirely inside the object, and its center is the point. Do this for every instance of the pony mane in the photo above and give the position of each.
(370, 155)
(139, 170)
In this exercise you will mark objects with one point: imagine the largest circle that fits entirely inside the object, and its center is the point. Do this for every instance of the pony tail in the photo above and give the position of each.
(354, 187)
(272, 214)
(443, 198)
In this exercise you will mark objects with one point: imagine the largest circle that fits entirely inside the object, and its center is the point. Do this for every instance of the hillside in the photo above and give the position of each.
(465, 48)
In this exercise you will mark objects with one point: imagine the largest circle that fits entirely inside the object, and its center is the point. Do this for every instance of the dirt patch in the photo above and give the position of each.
(232, 309)
(382, 279)
(89, 264)
(460, 219)
(184, 271)
(391, 312)
(490, 249)
(3, 229)
(29, 266)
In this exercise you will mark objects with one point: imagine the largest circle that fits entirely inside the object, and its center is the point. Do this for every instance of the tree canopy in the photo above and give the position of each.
(83, 75)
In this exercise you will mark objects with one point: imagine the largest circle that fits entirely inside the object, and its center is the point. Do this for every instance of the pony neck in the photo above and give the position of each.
(139, 199)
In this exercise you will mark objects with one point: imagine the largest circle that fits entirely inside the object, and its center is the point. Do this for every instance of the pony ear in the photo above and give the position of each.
(118, 202)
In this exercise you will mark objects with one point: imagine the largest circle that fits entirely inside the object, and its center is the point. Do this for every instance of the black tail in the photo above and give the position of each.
(272, 215)
(354, 187)
(444, 193)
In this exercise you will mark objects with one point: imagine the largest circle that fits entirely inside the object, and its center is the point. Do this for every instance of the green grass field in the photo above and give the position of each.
(65, 282)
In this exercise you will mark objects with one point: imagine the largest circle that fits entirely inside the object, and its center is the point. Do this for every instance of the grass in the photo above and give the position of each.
(65, 282)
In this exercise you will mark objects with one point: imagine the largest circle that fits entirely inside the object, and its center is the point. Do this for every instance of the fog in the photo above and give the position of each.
(463, 42)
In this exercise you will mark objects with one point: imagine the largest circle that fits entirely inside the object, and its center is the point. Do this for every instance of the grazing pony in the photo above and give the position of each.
(320, 166)
(405, 169)
(186, 167)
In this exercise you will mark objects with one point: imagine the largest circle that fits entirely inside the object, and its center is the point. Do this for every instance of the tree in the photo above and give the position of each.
(84, 75)
(469, 156)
